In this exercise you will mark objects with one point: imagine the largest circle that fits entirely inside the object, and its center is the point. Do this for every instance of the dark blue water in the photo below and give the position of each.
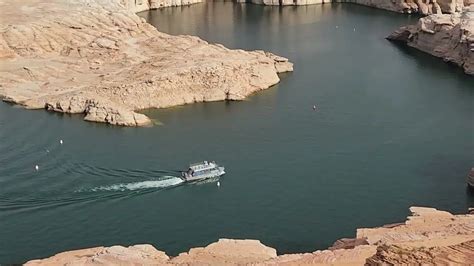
(394, 129)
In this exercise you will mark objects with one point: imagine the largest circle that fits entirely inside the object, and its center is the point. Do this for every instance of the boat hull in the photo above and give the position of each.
(470, 178)
(220, 171)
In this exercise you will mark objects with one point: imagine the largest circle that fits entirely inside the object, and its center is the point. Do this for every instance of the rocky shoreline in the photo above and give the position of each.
(428, 236)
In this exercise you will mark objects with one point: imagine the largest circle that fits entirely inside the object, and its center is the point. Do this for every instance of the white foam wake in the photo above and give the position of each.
(169, 182)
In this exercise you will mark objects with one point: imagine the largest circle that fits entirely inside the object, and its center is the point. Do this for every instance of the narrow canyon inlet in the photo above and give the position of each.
(391, 128)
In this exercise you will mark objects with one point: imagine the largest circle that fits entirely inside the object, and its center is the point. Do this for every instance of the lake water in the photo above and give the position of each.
(394, 129)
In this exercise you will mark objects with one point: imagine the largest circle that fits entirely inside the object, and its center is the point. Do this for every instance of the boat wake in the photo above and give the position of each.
(165, 182)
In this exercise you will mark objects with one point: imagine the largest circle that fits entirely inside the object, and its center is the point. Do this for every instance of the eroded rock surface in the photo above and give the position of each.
(428, 236)
(426, 227)
(115, 255)
(450, 37)
(460, 254)
(96, 58)
(225, 252)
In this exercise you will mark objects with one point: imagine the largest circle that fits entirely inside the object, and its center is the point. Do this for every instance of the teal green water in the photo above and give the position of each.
(395, 129)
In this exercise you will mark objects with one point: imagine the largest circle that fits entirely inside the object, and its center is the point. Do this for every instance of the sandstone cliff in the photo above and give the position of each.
(450, 37)
(428, 236)
(96, 58)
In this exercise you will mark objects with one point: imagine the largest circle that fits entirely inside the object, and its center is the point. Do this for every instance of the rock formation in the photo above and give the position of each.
(225, 252)
(450, 37)
(116, 255)
(95, 58)
(425, 227)
(428, 236)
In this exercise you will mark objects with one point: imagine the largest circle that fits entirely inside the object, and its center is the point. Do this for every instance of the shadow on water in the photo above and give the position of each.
(434, 65)
(470, 196)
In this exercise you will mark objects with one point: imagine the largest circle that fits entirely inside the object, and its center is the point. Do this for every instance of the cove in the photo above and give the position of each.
(394, 129)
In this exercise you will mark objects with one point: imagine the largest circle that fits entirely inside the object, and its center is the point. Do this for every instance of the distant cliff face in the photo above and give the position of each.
(142, 5)
(402, 6)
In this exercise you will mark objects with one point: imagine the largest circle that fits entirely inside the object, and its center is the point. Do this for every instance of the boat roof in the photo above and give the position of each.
(196, 164)
(202, 165)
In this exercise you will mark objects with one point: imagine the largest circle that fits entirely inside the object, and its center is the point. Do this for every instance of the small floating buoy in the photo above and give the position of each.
(314, 107)
(61, 141)
(218, 183)
(337, 27)
(354, 29)
(47, 151)
(36, 167)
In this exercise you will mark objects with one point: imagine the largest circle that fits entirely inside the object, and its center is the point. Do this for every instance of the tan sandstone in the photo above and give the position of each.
(227, 251)
(450, 37)
(425, 227)
(429, 236)
(115, 255)
(459, 254)
(96, 58)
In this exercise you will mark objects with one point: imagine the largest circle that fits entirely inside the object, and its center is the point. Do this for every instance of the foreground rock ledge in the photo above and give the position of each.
(96, 58)
(428, 236)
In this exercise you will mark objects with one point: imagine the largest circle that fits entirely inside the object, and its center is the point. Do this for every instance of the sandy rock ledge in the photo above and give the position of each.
(97, 58)
(429, 236)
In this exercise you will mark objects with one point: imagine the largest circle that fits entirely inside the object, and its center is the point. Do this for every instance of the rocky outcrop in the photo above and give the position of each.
(450, 37)
(426, 227)
(95, 58)
(225, 252)
(428, 236)
(116, 255)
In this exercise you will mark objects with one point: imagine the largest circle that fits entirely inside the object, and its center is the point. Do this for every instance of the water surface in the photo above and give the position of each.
(394, 129)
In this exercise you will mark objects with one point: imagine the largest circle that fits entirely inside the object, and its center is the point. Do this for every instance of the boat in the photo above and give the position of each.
(470, 178)
(202, 170)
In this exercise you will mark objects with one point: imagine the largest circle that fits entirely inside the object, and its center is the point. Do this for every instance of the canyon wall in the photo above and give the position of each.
(428, 236)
